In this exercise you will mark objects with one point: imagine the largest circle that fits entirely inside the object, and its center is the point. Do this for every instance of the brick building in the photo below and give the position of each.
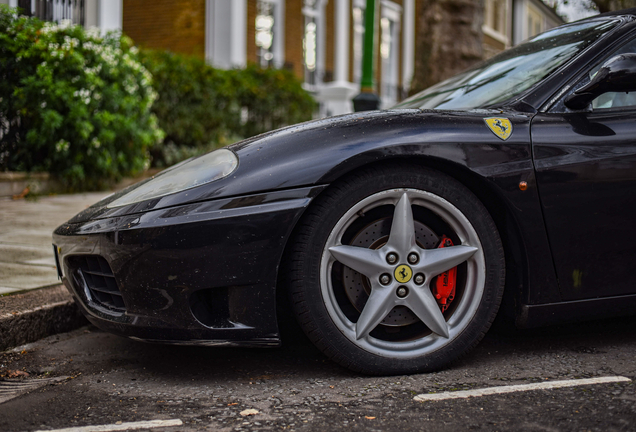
(510, 22)
(320, 40)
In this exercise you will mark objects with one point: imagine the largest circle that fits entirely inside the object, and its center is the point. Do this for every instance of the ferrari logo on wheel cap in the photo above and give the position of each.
(500, 126)
(403, 273)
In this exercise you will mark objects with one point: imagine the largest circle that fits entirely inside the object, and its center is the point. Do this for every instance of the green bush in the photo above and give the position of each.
(193, 105)
(194, 98)
(271, 98)
(72, 103)
(200, 107)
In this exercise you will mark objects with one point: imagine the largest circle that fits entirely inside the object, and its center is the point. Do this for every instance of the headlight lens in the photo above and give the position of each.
(185, 175)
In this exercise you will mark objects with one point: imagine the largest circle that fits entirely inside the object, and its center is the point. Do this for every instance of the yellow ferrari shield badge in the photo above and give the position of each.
(403, 273)
(500, 126)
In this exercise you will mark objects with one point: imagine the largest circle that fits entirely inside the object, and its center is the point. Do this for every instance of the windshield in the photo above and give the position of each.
(511, 72)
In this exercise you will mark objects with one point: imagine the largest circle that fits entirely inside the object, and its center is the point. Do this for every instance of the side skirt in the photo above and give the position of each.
(573, 311)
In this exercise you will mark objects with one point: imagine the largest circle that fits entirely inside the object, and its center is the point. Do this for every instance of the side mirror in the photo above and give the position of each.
(618, 74)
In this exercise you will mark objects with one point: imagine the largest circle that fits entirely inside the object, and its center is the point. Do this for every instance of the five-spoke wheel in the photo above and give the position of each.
(409, 271)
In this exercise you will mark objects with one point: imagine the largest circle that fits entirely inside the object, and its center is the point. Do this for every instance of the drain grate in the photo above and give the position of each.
(10, 389)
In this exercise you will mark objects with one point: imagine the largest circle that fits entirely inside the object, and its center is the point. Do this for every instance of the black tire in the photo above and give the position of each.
(328, 297)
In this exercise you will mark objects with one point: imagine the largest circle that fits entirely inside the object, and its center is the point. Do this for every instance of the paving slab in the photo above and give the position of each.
(26, 255)
(27, 276)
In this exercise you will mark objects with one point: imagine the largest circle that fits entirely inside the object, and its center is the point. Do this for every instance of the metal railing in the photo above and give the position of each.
(55, 10)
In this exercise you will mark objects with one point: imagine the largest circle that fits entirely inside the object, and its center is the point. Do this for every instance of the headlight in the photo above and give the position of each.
(188, 174)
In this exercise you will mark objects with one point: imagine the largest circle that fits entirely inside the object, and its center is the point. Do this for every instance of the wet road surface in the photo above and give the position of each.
(89, 377)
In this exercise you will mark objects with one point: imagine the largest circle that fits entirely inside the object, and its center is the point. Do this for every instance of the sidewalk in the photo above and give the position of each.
(26, 254)
(33, 303)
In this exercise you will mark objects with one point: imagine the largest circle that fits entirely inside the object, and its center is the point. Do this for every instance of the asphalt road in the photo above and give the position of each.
(93, 378)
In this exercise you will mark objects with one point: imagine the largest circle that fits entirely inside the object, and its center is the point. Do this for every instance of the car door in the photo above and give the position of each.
(586, 175)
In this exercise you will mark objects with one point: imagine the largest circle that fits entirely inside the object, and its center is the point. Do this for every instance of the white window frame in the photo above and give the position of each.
(278, 44)
(531, 10)
(389, 88)
(317, 13)
(226, 33)
(488, 29)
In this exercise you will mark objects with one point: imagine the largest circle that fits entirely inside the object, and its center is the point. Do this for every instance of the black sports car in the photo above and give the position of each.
(398, 235)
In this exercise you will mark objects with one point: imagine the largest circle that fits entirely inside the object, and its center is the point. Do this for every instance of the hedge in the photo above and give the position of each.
(90, 109)
(73, 103)
(272, 98)
(200, 107)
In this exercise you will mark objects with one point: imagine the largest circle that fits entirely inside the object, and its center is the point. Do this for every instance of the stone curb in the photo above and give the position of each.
(14, 183)
(36, 314)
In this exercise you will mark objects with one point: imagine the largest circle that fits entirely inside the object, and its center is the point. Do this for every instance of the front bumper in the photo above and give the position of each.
(202, 273)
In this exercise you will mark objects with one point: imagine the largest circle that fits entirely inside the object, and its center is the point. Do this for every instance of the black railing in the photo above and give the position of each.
(25, 6)
(54, 10)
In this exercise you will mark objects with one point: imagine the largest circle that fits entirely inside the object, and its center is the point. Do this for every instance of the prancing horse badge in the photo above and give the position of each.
(500, 126)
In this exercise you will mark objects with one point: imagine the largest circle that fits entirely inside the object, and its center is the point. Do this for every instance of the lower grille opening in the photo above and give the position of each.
(93, 273)
(211, 307)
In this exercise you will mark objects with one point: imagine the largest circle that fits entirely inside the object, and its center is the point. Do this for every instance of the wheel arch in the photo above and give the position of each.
(516, 283)
(514, 252)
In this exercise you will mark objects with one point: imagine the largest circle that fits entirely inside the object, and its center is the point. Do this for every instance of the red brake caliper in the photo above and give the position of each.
(444, 289)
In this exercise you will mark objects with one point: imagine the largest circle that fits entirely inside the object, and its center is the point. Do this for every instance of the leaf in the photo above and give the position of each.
(249, 412)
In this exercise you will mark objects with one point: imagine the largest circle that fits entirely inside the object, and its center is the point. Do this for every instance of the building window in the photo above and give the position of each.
(313, 13)
(269, 25)
(495, 19)
(495, 16)
(310, 50)
(265, 32)
(389, 52)
(535, 22)
(358, 38)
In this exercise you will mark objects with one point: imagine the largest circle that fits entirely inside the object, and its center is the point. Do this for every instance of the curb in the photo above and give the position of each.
(36, 314)
(15, 183)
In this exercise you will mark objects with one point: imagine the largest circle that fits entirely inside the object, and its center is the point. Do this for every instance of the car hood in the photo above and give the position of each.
(313, 153)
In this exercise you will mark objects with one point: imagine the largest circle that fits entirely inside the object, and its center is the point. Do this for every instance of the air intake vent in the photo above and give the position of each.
(96, 276)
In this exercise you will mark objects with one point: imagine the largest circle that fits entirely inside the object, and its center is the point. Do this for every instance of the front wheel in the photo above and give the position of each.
(396, 270)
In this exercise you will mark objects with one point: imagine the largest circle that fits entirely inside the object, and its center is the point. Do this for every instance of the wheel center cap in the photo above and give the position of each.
(403, 273)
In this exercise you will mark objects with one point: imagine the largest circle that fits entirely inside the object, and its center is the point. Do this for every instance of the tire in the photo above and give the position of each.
(338, 264)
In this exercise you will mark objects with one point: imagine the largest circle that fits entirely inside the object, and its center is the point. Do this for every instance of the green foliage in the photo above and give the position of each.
(272, 98)
(200, 107)
(72, 103)
(194, 98)
(83, 108)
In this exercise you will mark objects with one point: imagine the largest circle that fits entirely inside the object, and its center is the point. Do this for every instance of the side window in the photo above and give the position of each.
(615, 100)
